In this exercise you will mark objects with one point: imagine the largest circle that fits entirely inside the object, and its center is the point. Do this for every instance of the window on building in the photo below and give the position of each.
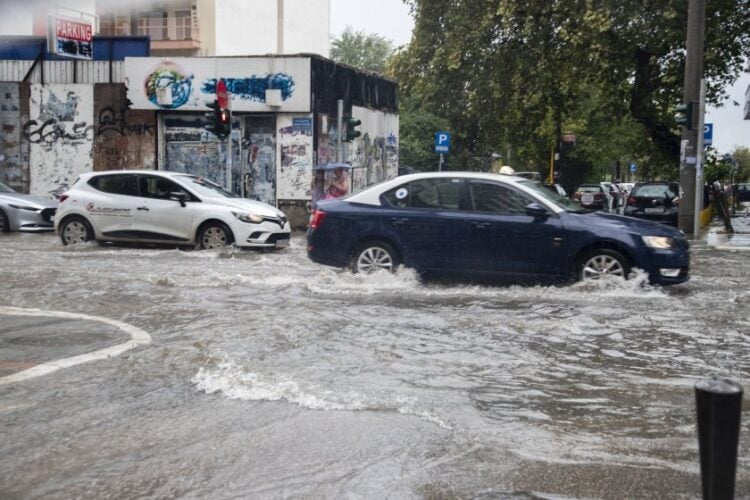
(153, 24)
(183, 24)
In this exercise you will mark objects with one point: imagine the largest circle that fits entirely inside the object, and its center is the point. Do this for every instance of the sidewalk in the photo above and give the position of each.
(715, 235)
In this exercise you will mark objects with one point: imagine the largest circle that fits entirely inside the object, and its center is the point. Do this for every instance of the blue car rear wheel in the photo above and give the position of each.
(374, 256)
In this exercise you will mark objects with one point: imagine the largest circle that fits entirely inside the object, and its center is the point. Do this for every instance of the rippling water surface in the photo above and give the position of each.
(270, 376)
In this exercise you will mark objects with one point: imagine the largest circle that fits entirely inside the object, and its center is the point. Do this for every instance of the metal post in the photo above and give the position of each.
(699, 162)
(339, 130)
(718, 405)
(440, 163)
(229, 155)
(689, 142)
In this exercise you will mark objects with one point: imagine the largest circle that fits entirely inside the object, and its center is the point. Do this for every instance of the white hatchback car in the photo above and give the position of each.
(151, 206)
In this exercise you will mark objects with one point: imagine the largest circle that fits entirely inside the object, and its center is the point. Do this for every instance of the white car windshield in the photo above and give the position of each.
(204, 187)
(5, 189)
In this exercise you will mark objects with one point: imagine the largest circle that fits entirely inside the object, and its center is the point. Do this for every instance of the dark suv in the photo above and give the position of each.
(657, 201)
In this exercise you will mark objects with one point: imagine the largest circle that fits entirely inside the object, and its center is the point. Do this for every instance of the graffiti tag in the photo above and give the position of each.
(117, 122)
(52, 130)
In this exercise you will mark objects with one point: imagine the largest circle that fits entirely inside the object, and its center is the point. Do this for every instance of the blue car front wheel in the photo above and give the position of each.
(602, 262)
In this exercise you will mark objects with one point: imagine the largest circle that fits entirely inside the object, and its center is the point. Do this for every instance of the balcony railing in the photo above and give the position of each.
(170, 28)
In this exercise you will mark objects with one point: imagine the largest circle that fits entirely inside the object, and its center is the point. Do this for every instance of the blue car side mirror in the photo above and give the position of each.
(536, 210)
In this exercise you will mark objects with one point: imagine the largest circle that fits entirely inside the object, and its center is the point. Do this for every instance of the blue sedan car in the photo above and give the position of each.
(488, 225)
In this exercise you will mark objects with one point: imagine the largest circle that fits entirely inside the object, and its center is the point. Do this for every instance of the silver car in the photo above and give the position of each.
(25, 212)
(148, 206)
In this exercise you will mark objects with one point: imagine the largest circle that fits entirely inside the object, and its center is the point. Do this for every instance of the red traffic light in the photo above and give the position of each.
(224, 116)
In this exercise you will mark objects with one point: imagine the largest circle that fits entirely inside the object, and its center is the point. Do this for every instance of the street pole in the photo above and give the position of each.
(699, 163)
(440, 163)
(339, 130)
(229, 154)
(689, 152)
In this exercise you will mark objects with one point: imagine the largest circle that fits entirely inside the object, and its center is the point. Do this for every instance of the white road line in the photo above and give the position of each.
(137, 337)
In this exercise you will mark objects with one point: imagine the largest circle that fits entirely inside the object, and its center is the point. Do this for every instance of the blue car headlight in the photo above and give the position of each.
(658, 242)
(250, 218)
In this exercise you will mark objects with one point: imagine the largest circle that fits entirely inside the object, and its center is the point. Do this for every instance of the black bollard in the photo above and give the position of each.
(719, 404)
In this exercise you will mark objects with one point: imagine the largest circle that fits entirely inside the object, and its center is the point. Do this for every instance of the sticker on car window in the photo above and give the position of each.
(402, 193)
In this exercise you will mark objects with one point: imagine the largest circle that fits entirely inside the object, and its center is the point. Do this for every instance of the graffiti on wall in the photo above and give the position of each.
(60, 132)
(259, 159)
(13, 153)
(193, 150)
(374, 156)
(123, 138)
(296, 153)
(182, 83)
(253, 88)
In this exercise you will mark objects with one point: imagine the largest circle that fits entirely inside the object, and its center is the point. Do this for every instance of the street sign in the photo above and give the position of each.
(221, 94)
(442, 142)
(708, 134)
(632, 167)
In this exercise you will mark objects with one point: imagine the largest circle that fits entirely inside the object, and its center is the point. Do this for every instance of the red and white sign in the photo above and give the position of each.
(74, 30)
(71, 38)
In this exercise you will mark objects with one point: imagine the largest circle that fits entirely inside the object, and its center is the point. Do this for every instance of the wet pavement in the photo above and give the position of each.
(267, 376)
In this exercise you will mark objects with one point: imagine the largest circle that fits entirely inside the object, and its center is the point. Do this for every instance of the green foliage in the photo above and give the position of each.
(417, 136)
(364, 51)
(511, 76)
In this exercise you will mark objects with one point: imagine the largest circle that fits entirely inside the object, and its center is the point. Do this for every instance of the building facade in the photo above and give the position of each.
(190, 27)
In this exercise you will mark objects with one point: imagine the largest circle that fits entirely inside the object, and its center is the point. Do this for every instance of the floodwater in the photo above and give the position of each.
(272, 377)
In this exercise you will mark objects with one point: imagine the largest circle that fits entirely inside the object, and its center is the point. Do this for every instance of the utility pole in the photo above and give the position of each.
(689, 144)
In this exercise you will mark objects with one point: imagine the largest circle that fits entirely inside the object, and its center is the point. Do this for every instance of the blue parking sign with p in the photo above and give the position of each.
(442, 142)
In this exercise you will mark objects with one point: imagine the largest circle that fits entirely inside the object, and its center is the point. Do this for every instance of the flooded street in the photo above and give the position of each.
(268, 376)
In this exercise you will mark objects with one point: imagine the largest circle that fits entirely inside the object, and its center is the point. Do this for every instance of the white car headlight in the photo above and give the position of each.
(659, 242)
(252, 218)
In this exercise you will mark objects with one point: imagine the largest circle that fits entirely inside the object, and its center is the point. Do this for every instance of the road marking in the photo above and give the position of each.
(137, 338)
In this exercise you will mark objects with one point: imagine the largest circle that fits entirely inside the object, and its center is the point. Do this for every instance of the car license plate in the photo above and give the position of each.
(282, 243)
(657, 210)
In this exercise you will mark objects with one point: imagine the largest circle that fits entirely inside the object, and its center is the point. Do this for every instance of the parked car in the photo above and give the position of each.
(591, 196)
(656, 201)
(165, 207)
(485, 224)
(25, 212)
(742, 192)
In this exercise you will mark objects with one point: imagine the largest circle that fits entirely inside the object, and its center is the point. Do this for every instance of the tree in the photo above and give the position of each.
(513, 75)
(364, 51)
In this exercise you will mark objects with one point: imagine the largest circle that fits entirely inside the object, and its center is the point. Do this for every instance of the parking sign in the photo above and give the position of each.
(708, 134)
(442, 142)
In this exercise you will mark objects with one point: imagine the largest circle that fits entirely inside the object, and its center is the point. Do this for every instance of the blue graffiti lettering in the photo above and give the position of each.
(253, 88)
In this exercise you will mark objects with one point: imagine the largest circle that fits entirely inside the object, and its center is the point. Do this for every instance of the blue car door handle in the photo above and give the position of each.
(480, 225)
(397, 221)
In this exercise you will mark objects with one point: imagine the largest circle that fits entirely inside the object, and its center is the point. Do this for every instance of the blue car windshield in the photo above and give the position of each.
(558, 200)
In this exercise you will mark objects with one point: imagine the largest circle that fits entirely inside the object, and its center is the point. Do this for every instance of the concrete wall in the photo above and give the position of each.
(123, 138)
(60, 132)
(374, 155)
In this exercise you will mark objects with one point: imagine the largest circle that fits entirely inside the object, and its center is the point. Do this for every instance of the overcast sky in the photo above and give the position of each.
(391, 19)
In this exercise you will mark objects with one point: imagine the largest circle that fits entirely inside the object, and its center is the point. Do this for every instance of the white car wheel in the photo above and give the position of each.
(75, 231)
(214, 236)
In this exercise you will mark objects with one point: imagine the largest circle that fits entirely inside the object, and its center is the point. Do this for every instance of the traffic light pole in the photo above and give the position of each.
(340, 130)
(229, 155)
(690, 154)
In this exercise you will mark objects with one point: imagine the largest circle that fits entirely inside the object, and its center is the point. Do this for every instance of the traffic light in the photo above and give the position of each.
(351, 128)
(684, 115)
(218, 120)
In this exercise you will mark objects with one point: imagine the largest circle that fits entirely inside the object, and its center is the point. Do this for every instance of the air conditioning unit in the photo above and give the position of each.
(273, 98)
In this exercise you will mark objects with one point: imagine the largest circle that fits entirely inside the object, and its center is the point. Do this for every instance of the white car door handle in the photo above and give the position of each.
(143, 208)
